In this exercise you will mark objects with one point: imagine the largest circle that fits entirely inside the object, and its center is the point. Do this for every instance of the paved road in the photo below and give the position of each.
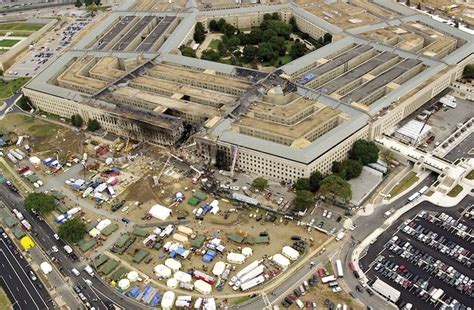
(365, 226)
(462, 149)
(100, 295)
(21, 289)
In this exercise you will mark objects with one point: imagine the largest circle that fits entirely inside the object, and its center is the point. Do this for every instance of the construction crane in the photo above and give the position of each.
(167, 163)
(127, 147)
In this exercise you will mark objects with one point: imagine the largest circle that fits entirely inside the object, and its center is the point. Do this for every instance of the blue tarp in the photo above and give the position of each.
(156, 300)
(145, 291)
(133, 292)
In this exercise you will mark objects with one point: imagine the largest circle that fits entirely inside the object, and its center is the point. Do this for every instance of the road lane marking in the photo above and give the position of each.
(14, 270)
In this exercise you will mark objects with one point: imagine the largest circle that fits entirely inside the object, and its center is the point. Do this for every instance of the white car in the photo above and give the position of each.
(54, 249)
(329, 215)
(56, 236)
(325, 212)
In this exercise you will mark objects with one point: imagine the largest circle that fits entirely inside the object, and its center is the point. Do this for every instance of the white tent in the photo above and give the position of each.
(218, 269)
(172, 283)
(173, 264)
(162, 271)
(132, 276)
(281, 260)
(235, 258)
(124, 284)
(185, 230)
(94, 232)
(102, 224)
(180, 238)
(247, 252)
(167, 301)
(290, 252)
(46, 267)
(182, 277)
(35, 160)
(202, 287)
(160, 212)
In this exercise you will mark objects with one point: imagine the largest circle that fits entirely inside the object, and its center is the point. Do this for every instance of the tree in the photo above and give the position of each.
(213, 26)
(42, 203)
(275, 16)
(468, 71)
(187, 51)
(315, 179)
(232, 43)
(303, 200)
(302, 184)
(407, 2)
(293, 24)
(24, 103)
(93, 125)
(278, 44)
(352, 168)
(265, 52)
(97, 2)
(268, 34)
(249, 53)
(78, 4)
(255, 36)
(199, 33)
(260, 183)
(334, 185)
(418, 6)
(228, 30)
(221, 48)
(76, 120)
(88, 2)
(298, 49)
(72, 230)
(364, 151)
(327, 38)
(267, 16)
(220, 24)
(210, 55)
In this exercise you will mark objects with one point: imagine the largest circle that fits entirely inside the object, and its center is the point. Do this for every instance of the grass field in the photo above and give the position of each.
(20, 27)
(213, 44)
(4, 301)
(8, 43)
(405, 183)
(8, 88)
(455, 191)
(470, 175)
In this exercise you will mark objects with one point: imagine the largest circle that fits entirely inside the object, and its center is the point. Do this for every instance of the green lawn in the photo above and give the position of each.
(20, 27)
(455, 191)
(470, 175)
(4, 301)
(213, 44)
(405, 183)
(8, 43)
(8, 88)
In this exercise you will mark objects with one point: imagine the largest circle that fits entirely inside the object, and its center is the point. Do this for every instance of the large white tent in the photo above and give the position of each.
(160, 212)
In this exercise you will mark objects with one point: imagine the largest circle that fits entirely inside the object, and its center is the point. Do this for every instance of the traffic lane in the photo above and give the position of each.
(47, 240)
(11, 269)
(462, 149)
(10, 295)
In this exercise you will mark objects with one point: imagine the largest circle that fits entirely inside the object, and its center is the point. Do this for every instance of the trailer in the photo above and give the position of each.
(252, 274)
(423, 190)
(252, 283)
(328, 279)
(248, 268)
(386, 290)
(17, 156)
(414, 196)
(12, 158)
(437, 295)
(204, 277)
(339, 271)
(20, 152)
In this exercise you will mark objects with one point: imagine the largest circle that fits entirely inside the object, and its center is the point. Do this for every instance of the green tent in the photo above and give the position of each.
(18, 232)
(62, 208)
(200, 195)
(235, 237)
(9, 221)
(86, 245)
(33, 178)
(198, 241)
(108, 266)
(122, 240)
(118, 274)
(100, 260)
(91, 225)
(57, 195)
(107, 231)
(193, 201)
(141, 255)
(260, 240)
(140, 232)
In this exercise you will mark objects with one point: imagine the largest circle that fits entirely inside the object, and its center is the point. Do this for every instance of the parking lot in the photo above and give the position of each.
(39, 57)
(427, 256)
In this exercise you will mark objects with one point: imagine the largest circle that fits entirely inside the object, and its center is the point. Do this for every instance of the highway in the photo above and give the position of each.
(100, 295)
(24, 292)
(365, 225)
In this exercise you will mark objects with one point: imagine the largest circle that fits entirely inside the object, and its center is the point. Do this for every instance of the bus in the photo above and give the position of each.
(339, 270)
(423, 190)
(414, 196)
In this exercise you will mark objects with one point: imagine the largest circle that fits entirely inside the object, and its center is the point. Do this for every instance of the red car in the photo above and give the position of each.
(321, 272)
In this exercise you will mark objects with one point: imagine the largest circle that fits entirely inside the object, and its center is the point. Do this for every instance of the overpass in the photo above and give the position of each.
(449, 173)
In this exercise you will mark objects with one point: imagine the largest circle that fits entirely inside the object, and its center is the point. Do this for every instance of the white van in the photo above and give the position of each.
(75, 272)
(89, 270)
(299, 303)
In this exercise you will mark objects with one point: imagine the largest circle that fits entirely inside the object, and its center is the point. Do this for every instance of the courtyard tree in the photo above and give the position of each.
(265, 52)
(210, 55)
(220, 24)
(303, 200)
(97, 2)
(78, 4)
(187, 51)
(76, 120)
(327, 38)
(347, 169)
(364, 151)
(315, 179)
(72, 230)
(468, 71)
(298, 49)
(249, 53)
(213, 26)
(293, 24)
(199, 33)
(336, 187)
(41, 202)
(260, 183)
